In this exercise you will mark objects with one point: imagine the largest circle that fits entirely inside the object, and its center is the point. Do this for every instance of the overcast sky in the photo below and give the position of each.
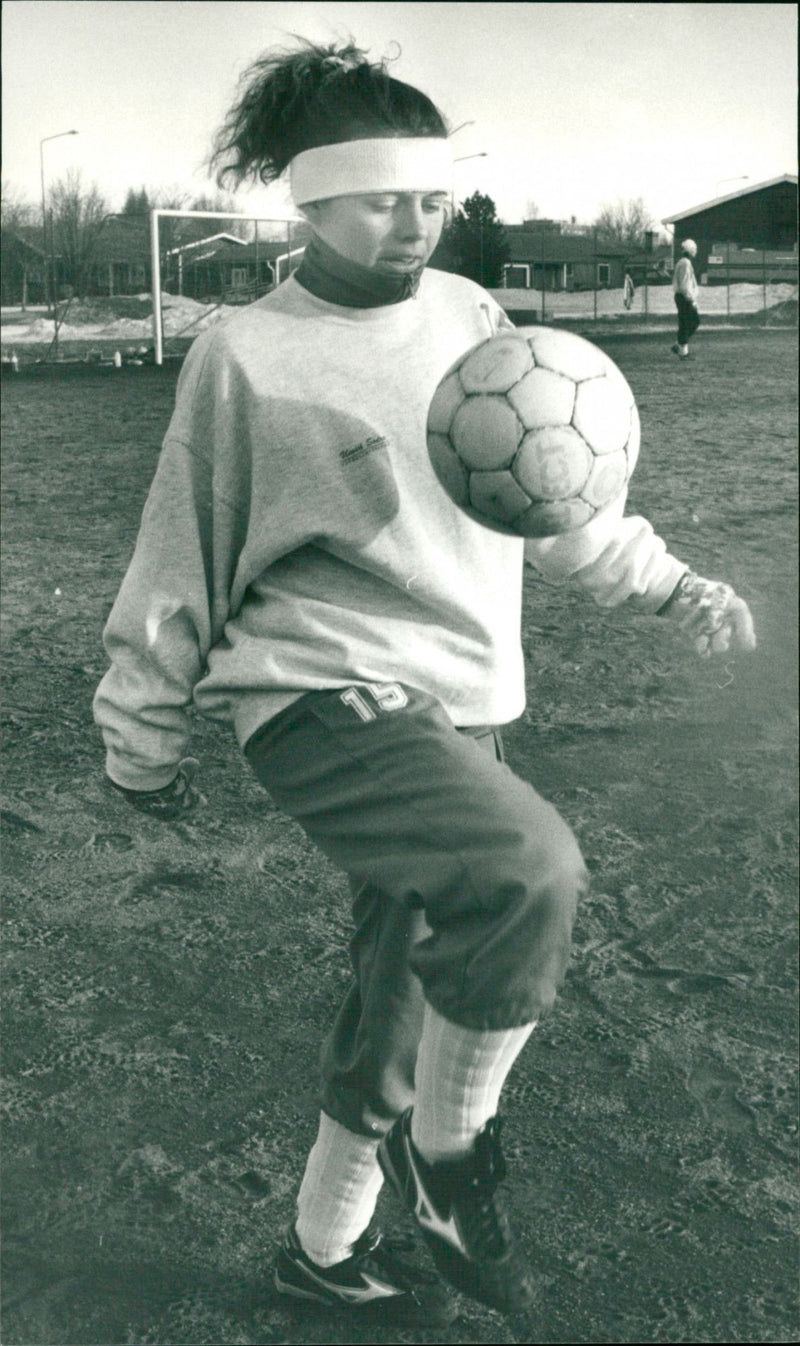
(574, 105)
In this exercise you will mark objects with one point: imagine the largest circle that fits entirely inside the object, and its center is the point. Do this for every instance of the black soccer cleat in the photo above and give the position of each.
(373, 1278)
(459, 1213)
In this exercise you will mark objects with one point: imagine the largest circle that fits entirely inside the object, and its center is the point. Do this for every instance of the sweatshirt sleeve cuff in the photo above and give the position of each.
(661, 590)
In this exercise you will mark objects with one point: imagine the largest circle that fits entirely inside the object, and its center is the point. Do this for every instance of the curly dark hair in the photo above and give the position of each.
(295, 100)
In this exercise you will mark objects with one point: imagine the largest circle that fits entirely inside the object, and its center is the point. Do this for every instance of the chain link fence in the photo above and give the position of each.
(203, 279)
(583, 284)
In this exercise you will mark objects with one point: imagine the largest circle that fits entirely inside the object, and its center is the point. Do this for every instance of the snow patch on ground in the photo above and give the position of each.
(181, 316)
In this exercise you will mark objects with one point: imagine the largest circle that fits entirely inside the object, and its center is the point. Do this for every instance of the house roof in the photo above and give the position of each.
(527, 245)
(661, 252)
(213, 241)
(117, 240)
(267, 249)
(21, 238)
(731, 196)
(121, 240)
(228, 247)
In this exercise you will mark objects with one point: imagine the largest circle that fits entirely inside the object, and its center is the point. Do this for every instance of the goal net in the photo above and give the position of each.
(204, 261)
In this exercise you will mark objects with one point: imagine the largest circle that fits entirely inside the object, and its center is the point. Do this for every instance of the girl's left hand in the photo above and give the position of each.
(712, 615)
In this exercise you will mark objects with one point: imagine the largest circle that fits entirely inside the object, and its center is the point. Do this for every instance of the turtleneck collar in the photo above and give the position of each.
(337, 280)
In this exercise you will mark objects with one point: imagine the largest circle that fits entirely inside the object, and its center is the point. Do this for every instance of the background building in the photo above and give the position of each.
(23, 275)
(227, 269)
(116, 261)
(751, 234)
(545, 257)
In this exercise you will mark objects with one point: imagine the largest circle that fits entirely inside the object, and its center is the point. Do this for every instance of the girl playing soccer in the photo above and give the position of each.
(300, 573)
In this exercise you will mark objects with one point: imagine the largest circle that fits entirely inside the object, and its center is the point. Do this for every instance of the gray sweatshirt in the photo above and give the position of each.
(295, 536)
(684, 280)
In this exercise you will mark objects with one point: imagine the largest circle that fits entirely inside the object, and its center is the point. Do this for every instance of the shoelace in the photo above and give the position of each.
(489, 1225)
(489, 1160)
(378, 1252)
(489, 1229)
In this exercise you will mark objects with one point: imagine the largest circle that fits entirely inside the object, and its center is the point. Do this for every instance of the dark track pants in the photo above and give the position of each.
(688, 318)
(465, 880)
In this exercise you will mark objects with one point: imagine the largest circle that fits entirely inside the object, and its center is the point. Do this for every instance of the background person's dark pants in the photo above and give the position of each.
(466, 881)
(688, 318)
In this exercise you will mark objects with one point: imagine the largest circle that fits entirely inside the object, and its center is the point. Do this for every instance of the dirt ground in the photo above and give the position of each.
(167, 986)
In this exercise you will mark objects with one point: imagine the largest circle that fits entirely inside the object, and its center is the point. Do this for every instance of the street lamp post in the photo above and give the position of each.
(42, 143)
(482, 154)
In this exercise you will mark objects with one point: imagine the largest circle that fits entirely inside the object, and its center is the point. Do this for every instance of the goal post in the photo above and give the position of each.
(279, 256)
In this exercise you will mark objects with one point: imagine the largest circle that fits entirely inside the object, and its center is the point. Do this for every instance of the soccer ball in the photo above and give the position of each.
(533, 433)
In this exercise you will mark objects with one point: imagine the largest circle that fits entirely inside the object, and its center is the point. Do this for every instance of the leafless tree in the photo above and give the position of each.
(625, 222)
(227, 204)
(15, 210)
(78, 215)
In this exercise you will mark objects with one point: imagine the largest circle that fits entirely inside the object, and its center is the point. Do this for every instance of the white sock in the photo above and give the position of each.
(460, 1073)
(684, 350)
(338, 1193)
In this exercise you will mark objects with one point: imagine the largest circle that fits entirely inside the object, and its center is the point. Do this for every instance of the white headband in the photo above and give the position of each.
(418, 164)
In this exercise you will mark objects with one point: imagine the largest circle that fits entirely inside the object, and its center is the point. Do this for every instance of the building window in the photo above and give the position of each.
(603, 273)
(238, 276)
(517, 277)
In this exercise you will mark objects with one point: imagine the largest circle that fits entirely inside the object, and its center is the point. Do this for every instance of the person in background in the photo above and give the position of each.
(300, 574)
(628, 290)
(684, 286)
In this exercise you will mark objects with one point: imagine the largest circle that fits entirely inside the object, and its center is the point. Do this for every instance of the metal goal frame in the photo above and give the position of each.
(155, 256)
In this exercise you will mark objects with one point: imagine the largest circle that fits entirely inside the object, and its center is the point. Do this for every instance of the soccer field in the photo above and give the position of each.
(167, 986)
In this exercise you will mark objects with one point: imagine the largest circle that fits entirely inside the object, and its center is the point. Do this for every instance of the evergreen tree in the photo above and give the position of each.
(136, 203)
(475, 243)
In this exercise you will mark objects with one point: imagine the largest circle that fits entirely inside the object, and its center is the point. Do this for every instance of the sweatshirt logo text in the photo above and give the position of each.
(361, 450)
